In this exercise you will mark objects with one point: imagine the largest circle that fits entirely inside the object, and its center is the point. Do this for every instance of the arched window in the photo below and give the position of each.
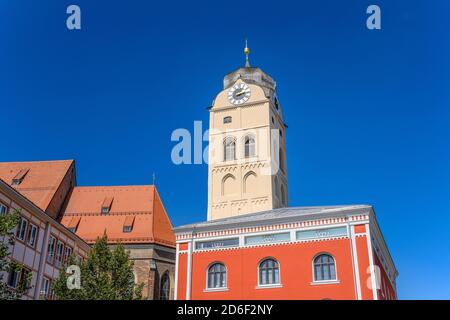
(164, 293)
(249, 147)
(229, 149)
(217, 276)
(269, 272)
(324, 268)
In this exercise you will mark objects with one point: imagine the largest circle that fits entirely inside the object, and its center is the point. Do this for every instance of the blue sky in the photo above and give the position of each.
(368, 111)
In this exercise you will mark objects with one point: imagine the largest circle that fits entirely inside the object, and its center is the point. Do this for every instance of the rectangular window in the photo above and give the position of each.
(321, 233)
(25, 277)
(51, 249)
(13, 278)
(217, 244)
(67, 253)
(3, 210)
(32, 235)
(18, 277)
(227, 120)
(22, 229)
(268, 238)
(59, 254)
(45, 288)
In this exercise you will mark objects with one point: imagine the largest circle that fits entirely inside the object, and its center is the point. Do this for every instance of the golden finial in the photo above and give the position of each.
(247, 52)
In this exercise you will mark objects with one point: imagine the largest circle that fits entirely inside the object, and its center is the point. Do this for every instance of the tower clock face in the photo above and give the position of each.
(239, 93)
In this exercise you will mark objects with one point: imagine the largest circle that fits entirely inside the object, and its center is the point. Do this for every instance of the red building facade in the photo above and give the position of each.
(288, 253)
(253, 245)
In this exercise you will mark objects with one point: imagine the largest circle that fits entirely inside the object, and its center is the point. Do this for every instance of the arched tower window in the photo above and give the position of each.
(229, 149)
(249, 147)
(164, 293)
(217, 276)
(269, 272)
(324, 268)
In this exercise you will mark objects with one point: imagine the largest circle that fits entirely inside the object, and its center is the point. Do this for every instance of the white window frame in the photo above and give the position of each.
(222, 288)
(229, 149)
(59, 255)
(3, 209)
(21, 233)
(67, 249)
(45, 287)
(250, 147)
(51, 254)
(269, 285)
(331, 281)
(31, 235)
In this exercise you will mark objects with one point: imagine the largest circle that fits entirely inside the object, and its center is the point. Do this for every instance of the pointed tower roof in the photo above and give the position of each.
(250, 75)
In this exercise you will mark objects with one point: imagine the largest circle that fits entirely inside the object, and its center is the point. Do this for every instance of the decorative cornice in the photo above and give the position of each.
(269, 227)
(273, 244)
(258, 103)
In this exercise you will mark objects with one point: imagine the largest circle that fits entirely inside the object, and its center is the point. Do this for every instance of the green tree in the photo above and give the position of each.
(105, 275)
(7, 224)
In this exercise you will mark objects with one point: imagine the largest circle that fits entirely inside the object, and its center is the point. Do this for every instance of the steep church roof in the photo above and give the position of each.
(128, 214)
(36, 180)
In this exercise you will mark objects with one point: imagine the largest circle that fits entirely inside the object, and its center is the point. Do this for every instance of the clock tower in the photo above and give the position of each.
(247, 169)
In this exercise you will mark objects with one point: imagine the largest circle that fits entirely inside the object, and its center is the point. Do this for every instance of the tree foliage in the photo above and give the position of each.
(105, 275)
(8, 222)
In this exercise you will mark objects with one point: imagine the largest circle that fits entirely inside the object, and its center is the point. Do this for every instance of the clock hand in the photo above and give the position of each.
(240, 93)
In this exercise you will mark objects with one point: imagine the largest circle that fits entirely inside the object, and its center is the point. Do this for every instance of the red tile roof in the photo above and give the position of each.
(151, 223)
(139, 205)
(41, 179)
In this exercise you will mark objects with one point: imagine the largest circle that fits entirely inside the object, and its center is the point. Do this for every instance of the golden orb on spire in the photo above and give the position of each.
(246, 52)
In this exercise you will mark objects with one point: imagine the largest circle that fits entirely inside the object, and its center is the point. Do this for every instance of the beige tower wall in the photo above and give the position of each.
(244, 185)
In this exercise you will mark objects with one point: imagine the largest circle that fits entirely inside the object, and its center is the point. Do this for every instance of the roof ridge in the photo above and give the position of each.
(38, 161)
(117, 186)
